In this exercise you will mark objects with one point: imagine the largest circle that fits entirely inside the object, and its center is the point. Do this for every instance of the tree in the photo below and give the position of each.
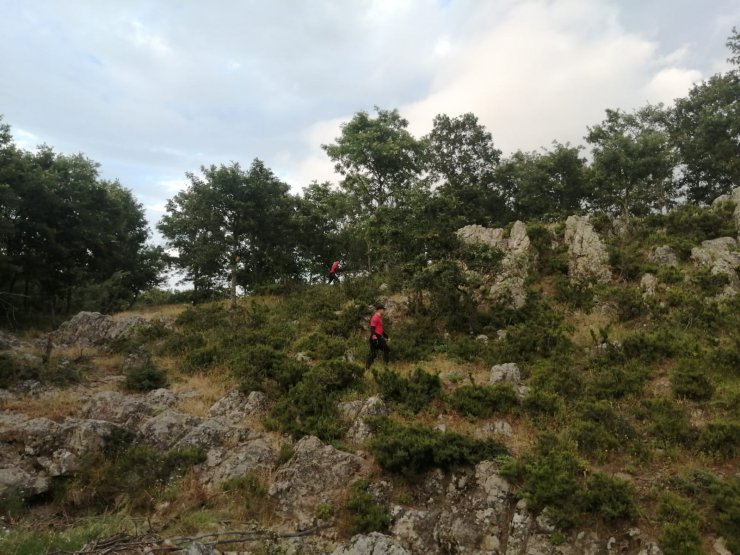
(633, 162)
(705, 127)
(545, 185)
(462, 160)
(236, 222)
(378, 158)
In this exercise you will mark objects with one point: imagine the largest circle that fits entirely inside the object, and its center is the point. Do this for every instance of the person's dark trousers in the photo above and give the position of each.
(333, 278)
(379, 344)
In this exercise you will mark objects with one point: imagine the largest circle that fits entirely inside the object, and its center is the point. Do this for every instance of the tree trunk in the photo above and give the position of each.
(233, 281)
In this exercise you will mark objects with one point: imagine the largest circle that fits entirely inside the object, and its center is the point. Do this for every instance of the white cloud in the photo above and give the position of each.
(669, 84)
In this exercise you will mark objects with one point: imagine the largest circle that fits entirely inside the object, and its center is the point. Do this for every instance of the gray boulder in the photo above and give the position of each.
(663, 256)
(648, 283)
(374, 543)
(733, 197)
(88, 329)
(356, 412)
(587, 255)
(506, 372)
(113, 406)
(316, 472)
(235, 406)
(165, 429)
(721, 256)
(254, 456)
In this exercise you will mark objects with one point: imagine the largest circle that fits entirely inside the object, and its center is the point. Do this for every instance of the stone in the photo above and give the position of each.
(113, 406)
(648, 283)
(506, 372)
(356, 412)
(374, 543)
(651, 549)
(663, 256)
(165, 429)
(482, 337)
(235, 406)
(254, 456)
(719, 545)
(721, 256)
(161, 397)
(213, 432)
(88, 329)
(587, 255)
(196, 548)
(14, 479)
(316, 472)
(733, 197)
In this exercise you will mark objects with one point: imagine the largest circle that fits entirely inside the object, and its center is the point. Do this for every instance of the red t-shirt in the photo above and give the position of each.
(334, 267)
(376, 324)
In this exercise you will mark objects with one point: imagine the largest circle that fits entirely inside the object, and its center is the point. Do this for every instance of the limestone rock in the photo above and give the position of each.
(648, 283)
(235, 406)
(374, 543)
(587, 255)
(357, 411)
(14, 479)
(734, 197)
(165, 429)
(161, 397)
(506, 372)
(113, 406)
(213, 432)
(254, 456)
(663, 256)
(721, 256)
(87, 329)
(316, 472)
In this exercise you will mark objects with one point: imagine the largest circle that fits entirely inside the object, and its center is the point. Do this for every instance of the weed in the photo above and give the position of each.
(681, 527)
(721, 437)
(366, 514)
(689, 381)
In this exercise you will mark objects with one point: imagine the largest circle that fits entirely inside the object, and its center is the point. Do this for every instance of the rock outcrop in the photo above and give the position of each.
(374, 543)
(587, 255)
(235, 406)
(508, 284)
(721, 256)
(663, 256)
(734, 197)
(87, 329)
(356, 412)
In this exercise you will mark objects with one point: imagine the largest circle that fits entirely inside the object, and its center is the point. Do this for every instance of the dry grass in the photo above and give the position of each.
(57, 406)
(203, 390)
(152, 312)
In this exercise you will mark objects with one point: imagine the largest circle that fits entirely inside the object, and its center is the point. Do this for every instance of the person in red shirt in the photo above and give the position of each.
(378, 337)
(335, 269)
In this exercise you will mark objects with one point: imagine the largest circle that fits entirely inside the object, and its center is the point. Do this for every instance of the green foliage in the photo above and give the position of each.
(481, 401)
(365, 513)
(721, 437)
(629, 302)
(666, 421)
(599, 430)
(413, 339)
(286, 453)
(670, 275)
(627, 261)
(14, 369)
(559, 377)
(681, 527)
(617, 381)
(578, 294)
(708, 283)
(653, 346)
(540, 402)
(263, 368)
(550, 478)
(134, 472)
(200, 359)
(144, 377)
(179, 344)
(610, 498)
(309, 407)
(551, 259)
(411, 394)
(412, 449)
(689, 380)
(321, 346)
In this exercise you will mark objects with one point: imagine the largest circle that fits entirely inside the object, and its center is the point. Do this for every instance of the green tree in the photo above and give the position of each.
(633, 162)
(705, 127)
(236, 223)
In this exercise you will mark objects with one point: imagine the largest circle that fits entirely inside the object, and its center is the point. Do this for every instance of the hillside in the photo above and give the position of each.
(569, 388)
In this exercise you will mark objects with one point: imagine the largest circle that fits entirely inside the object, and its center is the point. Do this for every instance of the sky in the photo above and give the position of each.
(154, 89)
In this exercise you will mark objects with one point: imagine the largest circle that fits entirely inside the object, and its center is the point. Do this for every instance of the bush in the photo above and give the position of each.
(321, 346)
(667, 421)
(200, 359)
(262, 368)
(629, 302)
(579, 295)
(540, 402)
(541, 333)
(181, 343)
(481, 401)
(721, 437)
(550, 477)
(627, 261)
(689, 381)
(618, 381)
(365, 514)
(14, 369)
(681, 527)
(145, 377)
(413, 449)
(411, 394)
(413, 340)
(610, 498)
(350, 320)
(708, 283)
(670, 275)
(652, 346)
(558, 376)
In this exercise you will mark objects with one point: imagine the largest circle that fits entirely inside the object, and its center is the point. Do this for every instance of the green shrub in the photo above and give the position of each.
(465, 348)
(578, 295)
(667, 421)
(200, 359)
(181, 343)
(413, 449)
(481, 401)
(629, 302)
(670, 275)
(680, 527)
(145, 377)
(697, 224)
(610, 498)
(542, 333)
(725, 503)
(689, 381)
(627, 262)
(321, 346)
(14, 369)
(552, 256)
(618, 381)
(286, 453)
(262, 368)
(710, 284)
(653, 346)
(599, 430)
(413, 340)
(540, 402)
(411, 394)
(550, 478)
(309, 408)
(721, 437)
(366, 514)
(350, 320)
(558, 376)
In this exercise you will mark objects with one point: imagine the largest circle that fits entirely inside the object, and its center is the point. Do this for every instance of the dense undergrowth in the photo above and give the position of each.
(646, 387)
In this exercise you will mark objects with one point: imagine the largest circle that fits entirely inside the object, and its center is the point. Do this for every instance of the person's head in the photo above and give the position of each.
(380, 307)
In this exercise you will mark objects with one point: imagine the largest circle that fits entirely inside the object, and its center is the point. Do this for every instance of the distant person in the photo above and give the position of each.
(335, 269)
(378, 337)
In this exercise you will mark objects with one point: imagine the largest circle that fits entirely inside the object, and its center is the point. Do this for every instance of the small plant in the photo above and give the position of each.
(708, 283)
(690, 382)
(667, 422)
(286, 453)
(324, 510)
(540, 402)
(721, 437)
(200, 359)
(365, 514)
(481, 401)
(145, 377)
(413, 449)
(411, 394)
(251, 492)
(681, 527)
(321, 346)
(610, 498)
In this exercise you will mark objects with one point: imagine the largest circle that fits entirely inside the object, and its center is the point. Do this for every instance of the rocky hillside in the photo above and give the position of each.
(567, 388)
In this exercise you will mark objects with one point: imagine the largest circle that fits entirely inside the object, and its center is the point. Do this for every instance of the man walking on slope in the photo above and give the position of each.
(378, 337)
(334, 271)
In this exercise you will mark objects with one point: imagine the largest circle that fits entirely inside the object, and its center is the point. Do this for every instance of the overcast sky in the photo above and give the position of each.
(152, 89)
